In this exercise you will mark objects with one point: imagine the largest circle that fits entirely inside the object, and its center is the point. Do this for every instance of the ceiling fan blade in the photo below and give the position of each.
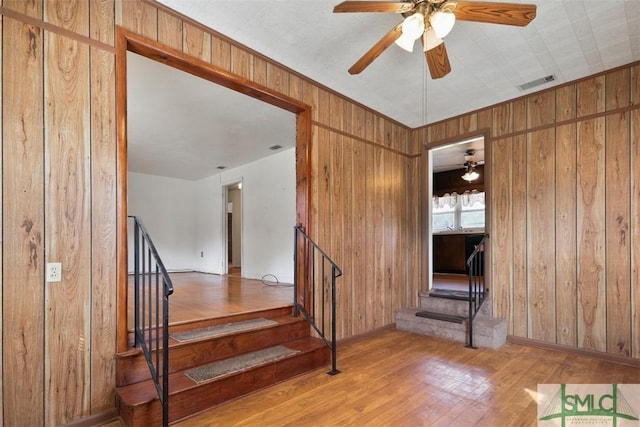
(386, 41)
(374, 6)
(438, 61)
(494, 12)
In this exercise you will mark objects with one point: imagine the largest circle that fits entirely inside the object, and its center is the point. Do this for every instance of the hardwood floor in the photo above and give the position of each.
(200, 296)
(453, 282)
(400, 379)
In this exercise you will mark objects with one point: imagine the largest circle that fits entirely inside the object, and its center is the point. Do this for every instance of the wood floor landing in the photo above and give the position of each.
(199, 296)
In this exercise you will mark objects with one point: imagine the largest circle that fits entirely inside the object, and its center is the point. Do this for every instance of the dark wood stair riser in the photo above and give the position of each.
(133, 368)
(188, 398)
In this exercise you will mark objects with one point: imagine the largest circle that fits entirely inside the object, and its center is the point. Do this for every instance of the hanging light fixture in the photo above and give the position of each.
(412, 29)
(442, 22)
(470, 174)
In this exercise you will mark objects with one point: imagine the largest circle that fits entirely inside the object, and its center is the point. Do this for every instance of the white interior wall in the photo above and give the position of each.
(166, 207)
(269, 214)
(185, 218)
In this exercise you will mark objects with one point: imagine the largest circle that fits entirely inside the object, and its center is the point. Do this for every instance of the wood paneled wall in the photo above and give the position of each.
(566, 271)
(59, 196)
(564, 204)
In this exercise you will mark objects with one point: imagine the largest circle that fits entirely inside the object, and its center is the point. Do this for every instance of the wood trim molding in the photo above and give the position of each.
(96, 420)
(361, 139)
(129, 41)
(608, 357)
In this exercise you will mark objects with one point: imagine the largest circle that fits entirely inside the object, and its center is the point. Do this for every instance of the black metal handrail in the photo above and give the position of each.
(313, 266)
(477, 288)
(150, 302)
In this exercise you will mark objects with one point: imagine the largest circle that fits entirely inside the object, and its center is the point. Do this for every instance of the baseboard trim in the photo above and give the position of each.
(366, 335)
(608, 357)
(96, 420)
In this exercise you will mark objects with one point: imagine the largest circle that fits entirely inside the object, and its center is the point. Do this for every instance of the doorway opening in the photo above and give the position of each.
(128, 42)
(232, 226)
(456, 216)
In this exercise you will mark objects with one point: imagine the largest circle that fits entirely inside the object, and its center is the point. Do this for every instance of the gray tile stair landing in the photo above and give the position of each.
(487, 331)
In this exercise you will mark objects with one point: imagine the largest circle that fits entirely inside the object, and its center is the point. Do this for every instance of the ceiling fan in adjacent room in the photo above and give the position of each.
(431, 21)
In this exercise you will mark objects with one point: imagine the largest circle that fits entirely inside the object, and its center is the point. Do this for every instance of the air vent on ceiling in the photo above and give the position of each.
(537, 82)
(222, 167)
(275, 147)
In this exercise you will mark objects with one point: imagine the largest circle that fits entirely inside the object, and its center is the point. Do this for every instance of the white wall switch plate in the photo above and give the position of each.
(54, 272)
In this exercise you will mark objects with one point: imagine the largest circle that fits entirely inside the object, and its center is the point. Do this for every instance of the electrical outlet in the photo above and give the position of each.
(201, 254)
(54, 272)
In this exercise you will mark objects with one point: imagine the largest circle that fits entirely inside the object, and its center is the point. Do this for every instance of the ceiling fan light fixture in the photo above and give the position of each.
(442, 22)
(470, 175)
(430, 40)
(405, 42)
(413, 26)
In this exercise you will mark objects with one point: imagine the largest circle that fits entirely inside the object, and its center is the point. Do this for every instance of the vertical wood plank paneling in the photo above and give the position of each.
(541, 109)
(590, 96)
(277, 79)
(72, 16)
(617, 214)
(359, 225)
(241, 62)
(519, 115)
(138, 16)
(452, 127)
(565, 102)
(617, 244)
(1, 246)
(565, 217)
(591, 236)
(102, 21)
(220, 53)
(348, 259)
(170, 30)
(369, 282)
(484, 119)
(502, 119)
(196, 42)
(635, 207)
(520, 232)
(68, 229)
(103, 226)
(468, 123)
(336, 213)
(296, 87)
(635, 224)
(375, 212)
(259, 71)
(22, 223)
(541, 239)
(501, 236)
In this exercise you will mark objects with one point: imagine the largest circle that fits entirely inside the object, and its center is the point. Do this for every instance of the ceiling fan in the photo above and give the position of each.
(432, 20)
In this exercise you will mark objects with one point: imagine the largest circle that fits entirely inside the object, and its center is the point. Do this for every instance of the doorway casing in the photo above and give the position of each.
(426, 190)
(128, 41)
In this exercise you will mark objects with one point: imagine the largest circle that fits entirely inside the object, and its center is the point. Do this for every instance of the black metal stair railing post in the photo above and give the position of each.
(152, 288)
(477, 287)
(305, 254)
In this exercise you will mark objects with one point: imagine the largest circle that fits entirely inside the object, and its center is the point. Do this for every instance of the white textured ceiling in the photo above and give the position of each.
(569, 39)
(184, 127)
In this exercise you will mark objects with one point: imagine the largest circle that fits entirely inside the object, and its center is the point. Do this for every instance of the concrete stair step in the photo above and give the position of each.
(452, 306)
(488, 332)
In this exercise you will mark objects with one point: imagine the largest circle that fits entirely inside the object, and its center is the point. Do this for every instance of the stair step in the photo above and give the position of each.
(488, 332)
(139, 404)
(458, 307)
(132, 366)
(442, 316)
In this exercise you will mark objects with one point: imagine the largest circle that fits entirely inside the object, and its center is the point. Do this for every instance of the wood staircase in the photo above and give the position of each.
(136, 396)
